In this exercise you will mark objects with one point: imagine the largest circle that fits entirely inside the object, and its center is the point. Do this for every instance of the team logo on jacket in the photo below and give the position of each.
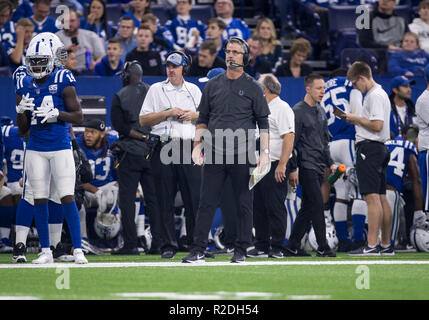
(241, 92)
(53, 88)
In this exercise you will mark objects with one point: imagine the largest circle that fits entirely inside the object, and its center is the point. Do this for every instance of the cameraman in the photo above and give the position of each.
(133, 151)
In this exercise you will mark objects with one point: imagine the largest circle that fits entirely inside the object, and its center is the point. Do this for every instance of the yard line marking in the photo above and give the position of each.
(209, 264)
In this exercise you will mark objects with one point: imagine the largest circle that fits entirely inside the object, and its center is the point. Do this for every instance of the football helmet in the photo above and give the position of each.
(420, 239)
(331, 238)
(108, 223)
(57, 46)
(39, 60)
(219, 238)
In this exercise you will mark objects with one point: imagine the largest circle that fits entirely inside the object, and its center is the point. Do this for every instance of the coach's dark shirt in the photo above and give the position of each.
(311, 138)
(233, 104)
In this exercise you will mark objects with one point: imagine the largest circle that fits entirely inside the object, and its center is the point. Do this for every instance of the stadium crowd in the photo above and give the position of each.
(105, 38)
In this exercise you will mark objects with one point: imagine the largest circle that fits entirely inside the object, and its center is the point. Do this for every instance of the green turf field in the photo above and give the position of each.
(409, 280)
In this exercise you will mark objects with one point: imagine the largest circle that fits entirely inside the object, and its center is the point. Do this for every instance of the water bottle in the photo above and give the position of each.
(341, 169)
(87, 58)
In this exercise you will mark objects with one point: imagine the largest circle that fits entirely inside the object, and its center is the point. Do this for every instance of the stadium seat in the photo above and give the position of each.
(203, 13)
(371, 56)
(5, 71)
(114, 12)
(404, 11)
(159, 11)
(342, 18)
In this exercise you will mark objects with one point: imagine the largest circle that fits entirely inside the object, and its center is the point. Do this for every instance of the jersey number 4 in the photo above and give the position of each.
(397, 161)
(47, 102)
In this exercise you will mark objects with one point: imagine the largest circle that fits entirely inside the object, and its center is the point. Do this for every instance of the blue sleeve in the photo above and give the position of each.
(99, 69)
(66, 79)
(394, 66)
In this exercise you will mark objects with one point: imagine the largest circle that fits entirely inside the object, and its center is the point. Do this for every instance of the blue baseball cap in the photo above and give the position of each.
(176, 59)
(400, 81)
(211, 74)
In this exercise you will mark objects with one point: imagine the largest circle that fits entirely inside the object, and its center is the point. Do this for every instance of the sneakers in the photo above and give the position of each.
(276, 254)
(194, 257)
(44, 257)
(5, 246)
(19, 251)
(238, 257)
(79, 257)
(256, 253)
(293, 252)
(168, 254)
(59, 254)
(327, 252)
(389, 251)
(225, 251)
(365, 251)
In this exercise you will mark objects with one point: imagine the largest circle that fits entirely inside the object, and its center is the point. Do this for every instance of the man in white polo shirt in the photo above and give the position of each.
(422, 120)
(170, 108)
(372, 130)
(269, 210)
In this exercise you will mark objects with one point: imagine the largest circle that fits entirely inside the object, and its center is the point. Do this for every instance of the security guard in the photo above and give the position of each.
(133, 152)
(170, 108)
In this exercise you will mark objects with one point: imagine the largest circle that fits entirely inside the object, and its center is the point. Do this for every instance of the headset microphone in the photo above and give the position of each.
(235, 65)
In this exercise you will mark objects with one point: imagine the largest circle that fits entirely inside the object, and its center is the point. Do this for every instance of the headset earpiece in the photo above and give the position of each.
(188, 61)
(246, 55)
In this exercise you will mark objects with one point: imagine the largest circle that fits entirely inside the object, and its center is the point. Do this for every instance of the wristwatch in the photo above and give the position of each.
(266, 151)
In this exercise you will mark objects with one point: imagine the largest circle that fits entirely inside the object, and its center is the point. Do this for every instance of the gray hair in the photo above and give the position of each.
(271, 83)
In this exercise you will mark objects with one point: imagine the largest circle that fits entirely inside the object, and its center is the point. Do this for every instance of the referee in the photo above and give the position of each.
(372, 157)
(231, 102)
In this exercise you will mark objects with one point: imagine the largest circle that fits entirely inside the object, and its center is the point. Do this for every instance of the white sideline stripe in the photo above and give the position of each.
(209, 264)
(201, 295)
(309, 297)
(19, 298)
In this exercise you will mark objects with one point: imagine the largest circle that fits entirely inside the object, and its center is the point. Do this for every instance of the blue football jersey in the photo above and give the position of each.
(237, 28)
(181, 31)
(337, 95)
(400, 151)
(13, 152)
(48, 25)
(8, 36)
(102, 165)
(53, 135)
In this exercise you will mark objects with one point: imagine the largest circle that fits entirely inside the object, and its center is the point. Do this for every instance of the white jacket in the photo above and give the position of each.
(421, 28)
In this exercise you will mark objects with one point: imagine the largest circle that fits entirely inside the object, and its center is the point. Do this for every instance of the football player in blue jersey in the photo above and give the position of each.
(95, 144)
(234, 27)
(45, 106)
(187, 33)
(341, 95)
(403, 162)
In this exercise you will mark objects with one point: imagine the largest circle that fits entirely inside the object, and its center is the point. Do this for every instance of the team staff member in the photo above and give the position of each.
(232, 101)
(170, 108)
(312, 147)
(372, 157)
(269, 210)
(134, 165)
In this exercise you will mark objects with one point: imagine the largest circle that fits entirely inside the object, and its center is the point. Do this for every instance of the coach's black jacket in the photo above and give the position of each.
(125, 111)
(311, 147)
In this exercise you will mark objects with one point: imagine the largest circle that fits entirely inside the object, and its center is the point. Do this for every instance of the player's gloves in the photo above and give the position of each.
(25, 104)
(47, 113)
(101, 204)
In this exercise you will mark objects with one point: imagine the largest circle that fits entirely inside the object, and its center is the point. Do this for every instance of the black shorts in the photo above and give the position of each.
(372, 159)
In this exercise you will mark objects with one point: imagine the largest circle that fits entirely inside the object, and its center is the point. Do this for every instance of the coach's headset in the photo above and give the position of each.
(125, 73)
(187, 58)
(245, 46)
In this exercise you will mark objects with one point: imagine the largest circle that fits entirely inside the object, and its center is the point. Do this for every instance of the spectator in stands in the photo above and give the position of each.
(111, 63)
(97, 22)
(234, 27)
(75, 4)
(215, 29)
(71, 62)
(21, 9)
(420, 25)
(138, 9)
(125, 33)
(386, 28)
(41, 19)
(403, 108)
(4, 58)
(84, 43)
(257, 65)
(187, 33)
(411, 60)
(7, 27)
(295, 67)
(161, 36)
(149, 60)
(206, 60)
(271, 47)
(24, 32)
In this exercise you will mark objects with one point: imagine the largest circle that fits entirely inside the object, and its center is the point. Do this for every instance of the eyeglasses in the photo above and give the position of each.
(221, 3)
(233, 52)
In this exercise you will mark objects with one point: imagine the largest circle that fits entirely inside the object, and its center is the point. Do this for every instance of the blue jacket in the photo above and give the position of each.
(103, 68)
(402, 61)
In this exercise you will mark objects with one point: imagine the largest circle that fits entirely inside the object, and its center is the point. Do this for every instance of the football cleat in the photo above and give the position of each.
(44, 257)
(79, 257)
(59, 254)
(19, 251)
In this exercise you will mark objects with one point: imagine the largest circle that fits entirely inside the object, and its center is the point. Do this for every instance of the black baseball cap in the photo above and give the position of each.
(95, 124)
